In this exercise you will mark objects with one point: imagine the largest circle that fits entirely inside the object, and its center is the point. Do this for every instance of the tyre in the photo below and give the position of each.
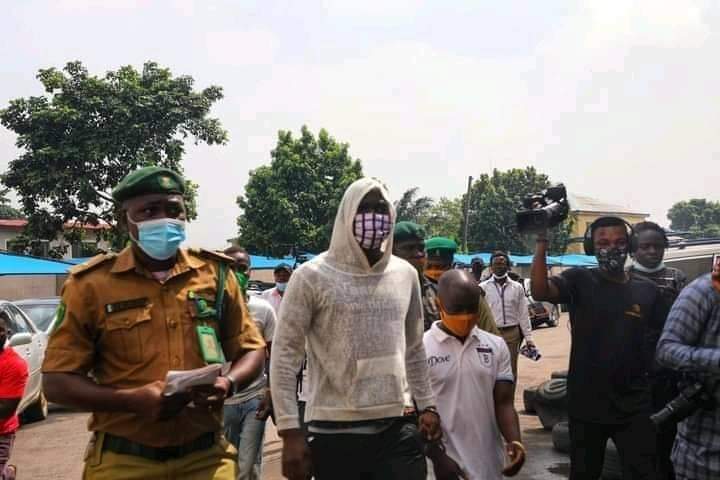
(559, 374)
(551, 402)
(529, 396)
(37, 411)
(553, 391)
(551, 415)
(612, 468)
(561, 437)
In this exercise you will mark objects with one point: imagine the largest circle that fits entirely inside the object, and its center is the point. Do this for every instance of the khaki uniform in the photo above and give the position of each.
(127, 329)
(485, 321)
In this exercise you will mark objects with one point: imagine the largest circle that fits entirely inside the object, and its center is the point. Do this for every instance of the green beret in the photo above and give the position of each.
(408, 231)
(149, 180)
(440, 245)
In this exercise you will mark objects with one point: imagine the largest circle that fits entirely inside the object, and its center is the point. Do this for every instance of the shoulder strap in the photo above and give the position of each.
(220, 290)
(91, 264)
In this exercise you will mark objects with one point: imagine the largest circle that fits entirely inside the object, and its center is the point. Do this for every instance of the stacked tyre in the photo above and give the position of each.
(551, 402)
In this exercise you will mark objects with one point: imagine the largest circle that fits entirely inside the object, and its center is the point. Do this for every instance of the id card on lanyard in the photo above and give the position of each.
(210, 347)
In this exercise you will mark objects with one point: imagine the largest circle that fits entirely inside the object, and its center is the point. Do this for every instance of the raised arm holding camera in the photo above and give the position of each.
(691, 343)
(610, 316)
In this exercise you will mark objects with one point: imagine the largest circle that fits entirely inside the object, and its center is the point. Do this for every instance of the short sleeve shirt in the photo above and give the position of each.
(13, 379)
(612, 344)
(129, 330)
(463, 378)
(263, 315)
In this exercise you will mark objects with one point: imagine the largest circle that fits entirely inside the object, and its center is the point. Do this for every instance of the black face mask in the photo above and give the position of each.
(612, 260)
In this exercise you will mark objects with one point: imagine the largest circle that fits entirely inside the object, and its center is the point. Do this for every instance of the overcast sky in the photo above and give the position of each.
(616, 98)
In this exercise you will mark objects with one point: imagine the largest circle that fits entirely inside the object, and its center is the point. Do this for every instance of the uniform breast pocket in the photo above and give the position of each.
(128, 334)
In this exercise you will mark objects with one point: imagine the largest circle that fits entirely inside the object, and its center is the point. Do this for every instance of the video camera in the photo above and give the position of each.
(690, 399)
(543, 210)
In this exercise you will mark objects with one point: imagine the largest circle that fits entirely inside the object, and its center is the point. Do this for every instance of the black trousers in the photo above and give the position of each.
(664, 389)
(393, 454)
(635, 442)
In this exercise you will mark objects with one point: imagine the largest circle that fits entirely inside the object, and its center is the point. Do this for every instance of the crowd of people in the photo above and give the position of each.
(376, 359)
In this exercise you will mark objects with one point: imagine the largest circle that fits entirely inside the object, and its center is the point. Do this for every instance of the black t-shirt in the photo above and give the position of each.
(670, 281)
(612, 344)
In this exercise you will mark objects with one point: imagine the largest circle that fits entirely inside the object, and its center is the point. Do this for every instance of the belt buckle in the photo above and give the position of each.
(169, 453)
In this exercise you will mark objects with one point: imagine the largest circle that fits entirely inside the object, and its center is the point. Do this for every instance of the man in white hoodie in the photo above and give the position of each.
(358, 310)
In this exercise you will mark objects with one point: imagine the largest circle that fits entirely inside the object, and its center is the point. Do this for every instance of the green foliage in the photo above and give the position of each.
(699, 216)
(445, 219)
(494, 199)
(81, 138)
(411, 208)
(293, 201)
(6, 210)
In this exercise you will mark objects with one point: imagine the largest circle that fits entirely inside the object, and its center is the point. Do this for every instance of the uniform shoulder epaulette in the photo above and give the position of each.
(217, 256)
(93, 263)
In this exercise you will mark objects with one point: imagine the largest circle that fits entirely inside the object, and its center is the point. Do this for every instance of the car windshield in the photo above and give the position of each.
(42, 315)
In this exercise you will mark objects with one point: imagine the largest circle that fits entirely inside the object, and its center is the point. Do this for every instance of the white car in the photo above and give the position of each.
(29, 342)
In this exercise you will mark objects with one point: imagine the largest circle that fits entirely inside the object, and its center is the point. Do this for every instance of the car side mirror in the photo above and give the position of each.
(20, 339)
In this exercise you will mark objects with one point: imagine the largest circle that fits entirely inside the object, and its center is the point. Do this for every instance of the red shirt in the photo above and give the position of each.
(13, 378)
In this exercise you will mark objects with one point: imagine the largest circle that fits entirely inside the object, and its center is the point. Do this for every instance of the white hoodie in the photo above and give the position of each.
(363, 328)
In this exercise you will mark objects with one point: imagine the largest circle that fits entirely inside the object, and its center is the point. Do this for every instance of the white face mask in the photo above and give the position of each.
(500, 277)
(281, 286)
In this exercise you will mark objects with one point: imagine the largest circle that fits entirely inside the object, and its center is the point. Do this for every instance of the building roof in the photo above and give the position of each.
(21, 223)
(581, 203)
(12, 264)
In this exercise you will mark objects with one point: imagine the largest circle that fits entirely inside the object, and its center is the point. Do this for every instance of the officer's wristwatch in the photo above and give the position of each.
(233, 386)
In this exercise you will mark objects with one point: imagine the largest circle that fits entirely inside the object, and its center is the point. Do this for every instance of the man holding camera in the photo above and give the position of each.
(691, 343)
(610, 313)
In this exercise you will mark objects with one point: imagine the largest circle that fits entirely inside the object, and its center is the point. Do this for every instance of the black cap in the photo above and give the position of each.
(283, 267)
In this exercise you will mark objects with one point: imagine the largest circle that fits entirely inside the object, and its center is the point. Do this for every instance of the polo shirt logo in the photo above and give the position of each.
(437, 360)
(634, 311)
(485, 355)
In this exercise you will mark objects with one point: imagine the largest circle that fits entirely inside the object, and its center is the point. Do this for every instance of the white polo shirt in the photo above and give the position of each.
(463, 378)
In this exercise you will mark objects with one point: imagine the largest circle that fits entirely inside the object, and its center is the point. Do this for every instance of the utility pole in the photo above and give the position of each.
(467, 214)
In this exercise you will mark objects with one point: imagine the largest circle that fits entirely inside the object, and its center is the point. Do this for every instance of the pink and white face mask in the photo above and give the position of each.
(371, 229)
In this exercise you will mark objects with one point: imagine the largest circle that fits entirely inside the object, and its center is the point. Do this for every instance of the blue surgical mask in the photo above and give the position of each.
(161, 238)
(281, 286)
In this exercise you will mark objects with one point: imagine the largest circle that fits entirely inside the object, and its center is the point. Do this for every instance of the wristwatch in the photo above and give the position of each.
(431, 409)
(233, 386)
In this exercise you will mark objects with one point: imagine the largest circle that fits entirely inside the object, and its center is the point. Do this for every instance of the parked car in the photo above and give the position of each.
(29, 342)
(541, 312)
(42, 311)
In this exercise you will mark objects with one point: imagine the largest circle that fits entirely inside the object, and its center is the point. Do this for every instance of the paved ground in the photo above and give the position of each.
(53, 449)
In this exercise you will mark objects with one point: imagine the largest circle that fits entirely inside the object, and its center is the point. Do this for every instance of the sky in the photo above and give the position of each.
(618, 99)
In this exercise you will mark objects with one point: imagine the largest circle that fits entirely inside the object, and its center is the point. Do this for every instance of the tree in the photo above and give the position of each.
(445, 219)
(81, 138)
(699, 216)
(7, 211)
(293, 201)
(412, 208)
(494, 199)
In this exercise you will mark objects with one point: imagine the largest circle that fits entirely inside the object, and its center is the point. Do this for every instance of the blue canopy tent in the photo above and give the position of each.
(13, 264)
(260, 262)
(570, 260)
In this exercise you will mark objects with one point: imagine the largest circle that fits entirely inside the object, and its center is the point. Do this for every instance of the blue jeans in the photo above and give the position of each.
(246, 433)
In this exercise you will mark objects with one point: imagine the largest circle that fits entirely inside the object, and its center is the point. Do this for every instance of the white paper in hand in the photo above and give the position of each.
(178, 381)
